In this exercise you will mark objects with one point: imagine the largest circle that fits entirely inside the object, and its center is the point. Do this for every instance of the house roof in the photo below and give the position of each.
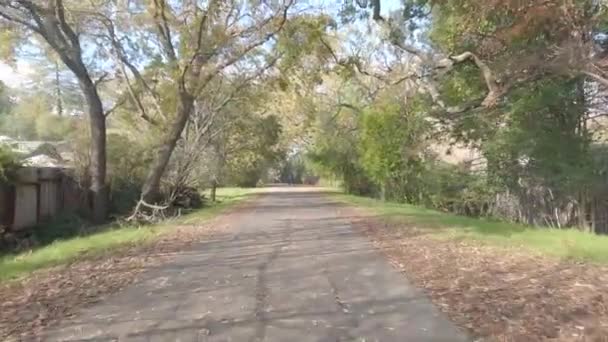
(36, 153)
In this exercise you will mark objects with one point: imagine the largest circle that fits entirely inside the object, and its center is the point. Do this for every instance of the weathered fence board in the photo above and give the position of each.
(37, 195)
(6, 205)
(49, 199)
(26, 206)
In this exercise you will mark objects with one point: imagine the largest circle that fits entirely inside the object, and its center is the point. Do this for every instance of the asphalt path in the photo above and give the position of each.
(289, 268)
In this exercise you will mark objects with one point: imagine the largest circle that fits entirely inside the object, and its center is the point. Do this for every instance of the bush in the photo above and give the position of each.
(9, 163)
(128, 162)
(393, 152)
(246, 177)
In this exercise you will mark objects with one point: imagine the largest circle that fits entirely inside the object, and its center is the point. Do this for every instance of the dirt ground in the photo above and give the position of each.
(497, 293)
(29, 306)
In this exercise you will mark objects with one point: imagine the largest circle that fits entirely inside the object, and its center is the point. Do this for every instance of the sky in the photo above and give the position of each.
(15, 76)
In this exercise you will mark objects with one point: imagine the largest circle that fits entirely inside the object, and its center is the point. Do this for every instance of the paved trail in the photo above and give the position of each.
(289, 269)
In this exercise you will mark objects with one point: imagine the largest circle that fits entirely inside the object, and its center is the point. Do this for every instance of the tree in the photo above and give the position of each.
(249, 148)
(58, 26)
(508, 42)
(393, 147)
(48, 76)
(163, 53)
(336, 134)
(5, 103)
(31, 118)
(243, 139)
(197, 42)
(518, 82)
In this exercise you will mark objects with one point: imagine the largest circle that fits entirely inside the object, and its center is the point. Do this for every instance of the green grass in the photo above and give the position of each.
(68, 250)
(561, 243)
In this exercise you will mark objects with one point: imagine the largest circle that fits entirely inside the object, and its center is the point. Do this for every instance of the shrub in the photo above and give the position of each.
(393, 150)
(9, 163)
(128, 162)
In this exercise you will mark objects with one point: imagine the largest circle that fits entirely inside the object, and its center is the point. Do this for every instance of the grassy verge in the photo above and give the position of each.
(565, 244)
(68, 250)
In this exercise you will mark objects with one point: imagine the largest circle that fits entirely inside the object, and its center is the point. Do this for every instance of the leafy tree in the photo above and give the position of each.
(249, 147)
(50, 78)
(197, 42)
(61, 28)
(294, 169)
(31, 119)
(393, 148)
(334, 149)
(162, 53)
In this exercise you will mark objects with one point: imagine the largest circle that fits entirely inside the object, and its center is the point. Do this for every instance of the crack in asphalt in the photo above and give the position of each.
(288, 269)
(262, 292)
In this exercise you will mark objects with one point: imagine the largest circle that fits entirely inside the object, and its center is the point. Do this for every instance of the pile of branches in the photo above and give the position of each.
(170, 205)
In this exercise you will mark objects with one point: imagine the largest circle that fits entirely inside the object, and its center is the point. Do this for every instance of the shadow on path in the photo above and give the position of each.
(289, 269)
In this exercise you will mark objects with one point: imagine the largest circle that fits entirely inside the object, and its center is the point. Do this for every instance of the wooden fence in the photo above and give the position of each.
(38, 194)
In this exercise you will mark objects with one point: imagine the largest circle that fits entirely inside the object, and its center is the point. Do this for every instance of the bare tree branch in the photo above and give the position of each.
(245, 50)
(600, 79)
(116, 105)
(494, 90)
(162, 24)
(101, 78)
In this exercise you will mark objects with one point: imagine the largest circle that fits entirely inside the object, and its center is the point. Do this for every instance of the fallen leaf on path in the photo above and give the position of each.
(497, 293)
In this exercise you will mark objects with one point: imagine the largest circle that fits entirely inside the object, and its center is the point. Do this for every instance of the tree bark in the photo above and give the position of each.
(99, 191)
(213, 190)
(151, 187)
(59, 101)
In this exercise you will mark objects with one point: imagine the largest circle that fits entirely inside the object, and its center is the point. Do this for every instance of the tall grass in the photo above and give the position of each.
(562, 243)
(63, 251)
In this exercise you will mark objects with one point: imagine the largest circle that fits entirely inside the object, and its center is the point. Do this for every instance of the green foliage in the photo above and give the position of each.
(53, 127)
(458, 190)
(335, 132)
(31, 118)
(342, 163)
(295, 169)
(462, 85)
(302, 38)
(66, 225)
(6, 44)
(451, 21)
(128, 162)
(8, 164)
(393, 149)
(543, 141)
(251, 145)
(536, 137)
(5, 103)
(335, 152)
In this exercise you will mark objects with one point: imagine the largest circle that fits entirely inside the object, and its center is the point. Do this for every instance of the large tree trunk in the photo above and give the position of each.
(151, 188)
(97, 121)
(48, 19)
